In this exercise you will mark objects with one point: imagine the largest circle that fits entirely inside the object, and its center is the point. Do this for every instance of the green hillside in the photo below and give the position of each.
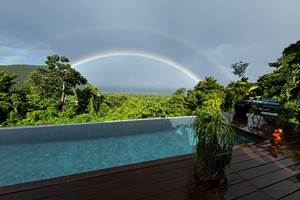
(21, 71)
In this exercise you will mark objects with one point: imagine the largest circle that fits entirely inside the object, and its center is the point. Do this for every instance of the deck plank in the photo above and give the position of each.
(293, 196)
(267, 168)
(240, 166)
(258, 195)
(276, 176)
(283, 188)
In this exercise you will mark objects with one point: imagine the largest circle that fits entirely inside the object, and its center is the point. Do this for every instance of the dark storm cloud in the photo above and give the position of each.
(202, 35)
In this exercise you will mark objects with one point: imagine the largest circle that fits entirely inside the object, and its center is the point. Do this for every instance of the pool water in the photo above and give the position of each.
(25, 162)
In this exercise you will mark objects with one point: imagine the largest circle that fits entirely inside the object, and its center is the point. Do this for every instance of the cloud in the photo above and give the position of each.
(207, 36)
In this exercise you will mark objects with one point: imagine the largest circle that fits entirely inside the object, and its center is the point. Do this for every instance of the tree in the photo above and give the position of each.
(230, 100)
(291, 87)
(284, 82)
(176, 105)
(270, 84)
(6, 82)
(43, 89)
(292, 110)
(17, 107)
(290, 56)
(198, 94)
(89, 99)
(67, 76)
(49, 90)
(238, 90)
(239, 69)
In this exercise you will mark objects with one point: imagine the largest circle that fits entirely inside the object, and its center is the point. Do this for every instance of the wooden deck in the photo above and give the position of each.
(256, 172)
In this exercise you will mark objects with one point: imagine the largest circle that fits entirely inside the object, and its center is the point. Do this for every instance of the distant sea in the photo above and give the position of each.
(134, 90)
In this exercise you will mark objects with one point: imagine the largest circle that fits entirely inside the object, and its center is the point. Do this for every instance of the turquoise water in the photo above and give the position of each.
(25, 162)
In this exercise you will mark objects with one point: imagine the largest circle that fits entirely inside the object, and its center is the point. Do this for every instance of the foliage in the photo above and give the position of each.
(215, 139)
(291, 88)
(71, 108)
(239, 69)
(89, 99)
(290, 56)
(270, 84)
(284, 82)
(202, 91)
(139, 106)
(19, 106)
(212, 101)
(231, 98)
(40, 117)
(292, 110)
(176, 105)
(57, 93)
(4, 107)
(236, 91)
(67, 77)
(6, 82)
(39, 101)
(42, 89)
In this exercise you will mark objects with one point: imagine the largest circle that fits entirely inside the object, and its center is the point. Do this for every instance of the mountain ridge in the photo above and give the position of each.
(21, 71)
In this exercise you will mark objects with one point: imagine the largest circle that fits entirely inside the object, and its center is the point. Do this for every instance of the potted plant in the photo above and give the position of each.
(214, 143)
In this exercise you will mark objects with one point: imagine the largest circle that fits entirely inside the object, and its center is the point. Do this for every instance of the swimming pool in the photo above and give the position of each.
(37, 153)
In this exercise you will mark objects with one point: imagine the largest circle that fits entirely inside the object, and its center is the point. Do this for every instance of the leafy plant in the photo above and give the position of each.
(292, 111)
(239, 69)
(283, 83)
(202, 92)
(214, 143)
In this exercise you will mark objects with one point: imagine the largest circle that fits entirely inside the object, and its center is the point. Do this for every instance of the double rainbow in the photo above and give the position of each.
(142, 54)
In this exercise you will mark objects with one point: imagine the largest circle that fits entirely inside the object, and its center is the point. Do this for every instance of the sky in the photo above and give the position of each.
(201, 37)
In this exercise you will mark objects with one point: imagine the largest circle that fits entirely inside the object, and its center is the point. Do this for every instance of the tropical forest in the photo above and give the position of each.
(55, 93)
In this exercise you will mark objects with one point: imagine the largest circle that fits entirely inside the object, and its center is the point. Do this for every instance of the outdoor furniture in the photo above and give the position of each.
(266, 107)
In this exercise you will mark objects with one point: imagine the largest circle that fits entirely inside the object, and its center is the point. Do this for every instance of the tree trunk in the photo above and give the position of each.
(63, 96)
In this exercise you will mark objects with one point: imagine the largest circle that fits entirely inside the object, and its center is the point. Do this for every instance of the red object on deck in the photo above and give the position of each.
(277, 136)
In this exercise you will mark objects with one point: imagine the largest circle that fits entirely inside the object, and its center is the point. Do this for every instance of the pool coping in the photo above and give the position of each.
(259, 137)
(120, 121)
(95, 123)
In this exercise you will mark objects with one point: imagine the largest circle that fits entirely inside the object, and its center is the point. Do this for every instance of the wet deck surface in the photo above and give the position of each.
(256, 172)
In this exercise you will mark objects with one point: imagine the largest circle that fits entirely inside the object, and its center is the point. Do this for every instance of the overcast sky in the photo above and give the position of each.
(205, 36)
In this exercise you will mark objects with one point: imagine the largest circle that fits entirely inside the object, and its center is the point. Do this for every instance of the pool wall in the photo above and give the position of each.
(81, 131)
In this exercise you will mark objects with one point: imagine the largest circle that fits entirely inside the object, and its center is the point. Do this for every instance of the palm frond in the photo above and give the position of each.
(214, 142)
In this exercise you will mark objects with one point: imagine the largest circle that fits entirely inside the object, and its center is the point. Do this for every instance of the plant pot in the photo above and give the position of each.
(241, 110)
(218, 177)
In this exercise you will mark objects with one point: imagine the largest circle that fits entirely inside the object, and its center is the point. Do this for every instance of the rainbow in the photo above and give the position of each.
(142, 54)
